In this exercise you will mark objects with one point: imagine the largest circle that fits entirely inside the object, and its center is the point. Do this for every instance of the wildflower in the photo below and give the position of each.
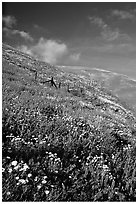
(44, 181)
(29, 175)
(57, 159)
(17, 177)
(3, 169)
(45, 177)
(36, 178)
(14, 163)
(10, 170)
(25, 167)
(26, 180)
(16, 167)
(113, 156)
(8, 193)
(47, 192)
(22, 181)
(39, 186)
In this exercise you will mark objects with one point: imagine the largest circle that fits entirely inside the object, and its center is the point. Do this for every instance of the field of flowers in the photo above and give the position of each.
(62, 146)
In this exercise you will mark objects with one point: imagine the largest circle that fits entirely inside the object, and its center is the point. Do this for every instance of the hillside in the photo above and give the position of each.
(120, 85)
(68, 141)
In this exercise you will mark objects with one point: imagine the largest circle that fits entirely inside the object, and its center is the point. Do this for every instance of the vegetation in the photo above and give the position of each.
(63, 146)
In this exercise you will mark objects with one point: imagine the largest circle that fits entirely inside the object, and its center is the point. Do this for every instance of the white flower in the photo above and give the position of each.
(47, 192)
(8, 193)
(17, 177)
(36, 178)
(16, 167)
(29, 175)
(21, 169)
(44, 181)
(105, 168)
(10, 170)
(39, 186)
(26, 180)
(14, 163)
(45, 177)
(3, 169)
(25, 167)
(22, 181)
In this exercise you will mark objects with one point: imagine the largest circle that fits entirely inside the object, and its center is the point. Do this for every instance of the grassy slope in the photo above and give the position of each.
(59, 145)
(120, 85)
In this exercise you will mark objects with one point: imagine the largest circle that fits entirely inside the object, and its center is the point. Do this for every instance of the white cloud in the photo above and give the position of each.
(49, 51)
(25, 49)
(107, 33)
(124, 48)
(75, 56)
(23, 34)
(123, 14)
(98, 21)
(110, 35)
(9, 21)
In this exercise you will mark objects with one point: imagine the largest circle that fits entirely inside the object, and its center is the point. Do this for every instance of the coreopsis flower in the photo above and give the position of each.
(8, 193)
(14, 163)
(22, 181)
(9, 170)
(44, 181)
(39, 186)
(36, 178)
(3, 169)
(47, 192)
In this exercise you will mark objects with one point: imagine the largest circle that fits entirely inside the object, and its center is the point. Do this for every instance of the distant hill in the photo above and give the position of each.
(120, 85)
(65, 135)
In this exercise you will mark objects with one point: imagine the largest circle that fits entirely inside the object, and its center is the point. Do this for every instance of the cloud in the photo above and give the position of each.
(110, 35)
(25, 49)
(98, 21)
(120, 49)
(107, 33)
(123, 14)
(49, 51)
(9, 21)
(13, 32)
(75, 56)
(23, 34)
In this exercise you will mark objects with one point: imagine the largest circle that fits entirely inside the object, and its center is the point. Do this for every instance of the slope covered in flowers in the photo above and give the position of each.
(71, 143)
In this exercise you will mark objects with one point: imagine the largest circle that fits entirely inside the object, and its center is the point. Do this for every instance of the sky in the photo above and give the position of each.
(90, 34)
